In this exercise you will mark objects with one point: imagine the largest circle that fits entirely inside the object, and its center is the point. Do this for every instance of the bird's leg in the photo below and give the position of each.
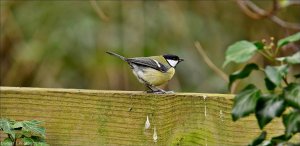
(156, 90)
(152, 88)
(159, 91)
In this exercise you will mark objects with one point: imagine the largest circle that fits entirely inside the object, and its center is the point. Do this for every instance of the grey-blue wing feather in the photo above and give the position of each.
(147, 62)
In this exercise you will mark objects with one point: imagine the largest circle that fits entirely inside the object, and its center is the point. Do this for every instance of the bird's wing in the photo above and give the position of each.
(148, 62)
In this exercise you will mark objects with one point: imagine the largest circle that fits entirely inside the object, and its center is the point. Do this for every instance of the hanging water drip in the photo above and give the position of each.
(204, 97)
(147, 123)
(155, 135)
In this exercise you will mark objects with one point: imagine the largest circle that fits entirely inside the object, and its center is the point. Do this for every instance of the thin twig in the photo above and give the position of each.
(285, 24)
(266, 55)
(98, 10)
(253, 11)
(234, 86)
(209, 63)
(247, 11)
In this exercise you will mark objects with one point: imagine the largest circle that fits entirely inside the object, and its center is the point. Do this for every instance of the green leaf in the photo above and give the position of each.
(258, 140)
(240, 52)
(37, 139)
(5, 125)
(6, 142)
(27, 141)
(267, 108)
(17, 125)
(269, 84)
(245, 72)
(245, 102)
(292, 95)
(33, 126)
(279, 139)
(292, 38)
(275, 74)
(26, 133)
(291, 122)
(259, 45)
(294, 59)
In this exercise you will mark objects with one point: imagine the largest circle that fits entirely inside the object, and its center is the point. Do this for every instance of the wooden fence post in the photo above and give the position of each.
(95, 117)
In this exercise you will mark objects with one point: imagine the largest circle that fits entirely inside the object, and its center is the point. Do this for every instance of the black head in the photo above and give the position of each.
(173, 60)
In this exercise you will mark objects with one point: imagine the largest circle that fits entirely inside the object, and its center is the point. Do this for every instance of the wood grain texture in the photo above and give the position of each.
(95, 117)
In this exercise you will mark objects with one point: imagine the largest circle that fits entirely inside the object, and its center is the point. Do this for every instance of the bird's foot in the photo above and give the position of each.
(160, 91)
(169, 92)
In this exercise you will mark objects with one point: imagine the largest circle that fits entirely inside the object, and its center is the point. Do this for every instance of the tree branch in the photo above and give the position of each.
(209, 63)
(98, 10)
(253, 11)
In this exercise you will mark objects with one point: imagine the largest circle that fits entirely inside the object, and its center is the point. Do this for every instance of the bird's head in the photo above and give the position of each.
(173, 60)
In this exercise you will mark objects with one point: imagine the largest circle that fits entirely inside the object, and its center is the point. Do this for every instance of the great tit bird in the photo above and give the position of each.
(152, 71)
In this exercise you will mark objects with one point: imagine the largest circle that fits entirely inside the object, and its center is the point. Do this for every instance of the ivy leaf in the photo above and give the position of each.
(267, 108)
(245, 72)
(269, 84)
(245, 102)
(292, 38)
(33, 126)
(27, 141)
(17, 125)
(6, 142)
(5, 125)
(292, 95)
(291, 122)
(240, 52)
(294, 59)
(259, 45)
(279, 139)
(258, 140)
(275, 74)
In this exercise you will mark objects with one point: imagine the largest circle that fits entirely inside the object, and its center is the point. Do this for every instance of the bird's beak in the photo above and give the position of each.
(180, 60)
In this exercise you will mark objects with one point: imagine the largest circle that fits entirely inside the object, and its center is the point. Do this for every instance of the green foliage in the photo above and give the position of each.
(259, 139)
(290, 92)
(245, 102)
(240, 52)
(294, 59)
(29, 132)
(271, 103)
(269, 84)
(267, 109)
(275, 74)
(6, 142)
(5, 125)
(290, 39)
(291, 122)
(245, 72)
(259, 45)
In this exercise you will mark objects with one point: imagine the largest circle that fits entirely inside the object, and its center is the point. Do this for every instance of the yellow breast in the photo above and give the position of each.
(155, 77)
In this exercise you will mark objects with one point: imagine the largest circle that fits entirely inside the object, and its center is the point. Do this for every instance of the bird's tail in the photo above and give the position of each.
(115, 54)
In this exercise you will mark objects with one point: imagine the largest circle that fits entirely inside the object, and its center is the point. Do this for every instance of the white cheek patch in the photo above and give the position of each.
(173, 63)
(156, 63)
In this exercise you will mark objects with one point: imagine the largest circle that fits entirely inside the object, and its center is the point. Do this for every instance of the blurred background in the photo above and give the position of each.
(62, 44)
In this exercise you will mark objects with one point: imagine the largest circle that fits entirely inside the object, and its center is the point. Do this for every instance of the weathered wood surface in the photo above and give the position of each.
(95, 117)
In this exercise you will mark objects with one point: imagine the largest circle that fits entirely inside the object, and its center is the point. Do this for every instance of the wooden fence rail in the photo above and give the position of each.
(95, 117)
